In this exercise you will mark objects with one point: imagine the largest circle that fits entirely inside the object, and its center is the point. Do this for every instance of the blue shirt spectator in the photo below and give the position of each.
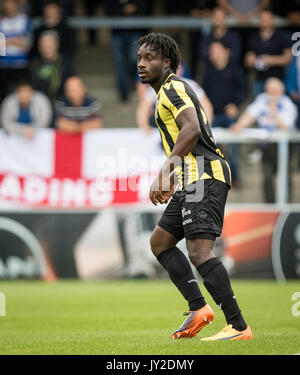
(271, 110)
(17, 30)
(225, 86)
(223, 76)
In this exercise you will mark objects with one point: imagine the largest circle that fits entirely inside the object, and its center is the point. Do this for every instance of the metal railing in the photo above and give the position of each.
(143, 22)
(257, 136)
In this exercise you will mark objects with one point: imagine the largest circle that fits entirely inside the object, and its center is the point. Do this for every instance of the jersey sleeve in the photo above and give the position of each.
(175, 98)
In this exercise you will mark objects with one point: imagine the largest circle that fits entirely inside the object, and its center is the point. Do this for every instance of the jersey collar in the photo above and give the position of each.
(165, 78)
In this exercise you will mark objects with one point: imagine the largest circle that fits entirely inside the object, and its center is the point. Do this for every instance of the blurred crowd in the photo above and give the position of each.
(249, 75)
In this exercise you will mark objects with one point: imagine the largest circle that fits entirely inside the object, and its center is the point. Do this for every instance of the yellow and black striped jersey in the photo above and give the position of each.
(206, 160)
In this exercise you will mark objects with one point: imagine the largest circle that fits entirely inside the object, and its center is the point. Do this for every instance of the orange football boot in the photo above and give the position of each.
(195, 321)
(229, 333)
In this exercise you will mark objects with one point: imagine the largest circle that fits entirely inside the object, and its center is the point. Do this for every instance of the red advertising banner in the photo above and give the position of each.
(100, 168)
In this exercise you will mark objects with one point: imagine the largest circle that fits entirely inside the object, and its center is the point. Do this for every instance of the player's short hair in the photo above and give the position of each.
(166, 45)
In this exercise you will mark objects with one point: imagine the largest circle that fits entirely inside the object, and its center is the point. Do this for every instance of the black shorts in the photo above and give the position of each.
(196, 211)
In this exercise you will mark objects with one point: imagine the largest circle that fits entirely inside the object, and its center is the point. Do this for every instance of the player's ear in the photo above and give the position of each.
(167, 63)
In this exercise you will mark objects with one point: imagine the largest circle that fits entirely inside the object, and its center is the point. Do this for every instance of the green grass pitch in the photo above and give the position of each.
(137, 317)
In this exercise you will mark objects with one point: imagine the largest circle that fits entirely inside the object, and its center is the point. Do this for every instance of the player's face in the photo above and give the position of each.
(151, 66)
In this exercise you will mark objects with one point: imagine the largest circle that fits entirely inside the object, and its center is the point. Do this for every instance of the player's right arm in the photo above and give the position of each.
(188, 123)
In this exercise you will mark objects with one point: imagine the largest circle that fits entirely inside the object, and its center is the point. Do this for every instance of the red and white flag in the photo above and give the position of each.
(99, 168)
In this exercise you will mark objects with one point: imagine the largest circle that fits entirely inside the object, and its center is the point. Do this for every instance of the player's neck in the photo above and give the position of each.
(157, 85)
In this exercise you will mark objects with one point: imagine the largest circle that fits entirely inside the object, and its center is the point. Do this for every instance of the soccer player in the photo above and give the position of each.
(195, 211)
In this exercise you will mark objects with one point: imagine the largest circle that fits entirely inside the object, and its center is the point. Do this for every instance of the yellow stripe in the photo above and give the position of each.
(193, 174)
(180, 90)
(178, 171)
(205, 176)
(169, 122)
(217, 170)
(203, 115)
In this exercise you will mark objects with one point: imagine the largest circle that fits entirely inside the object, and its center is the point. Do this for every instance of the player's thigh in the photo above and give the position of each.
(169, 230)
(206, 214)
(204, 220)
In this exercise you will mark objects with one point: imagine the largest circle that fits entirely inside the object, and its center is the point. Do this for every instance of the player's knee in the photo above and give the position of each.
(159, 243)
(198, 255)
(194, 257)
(155, 244)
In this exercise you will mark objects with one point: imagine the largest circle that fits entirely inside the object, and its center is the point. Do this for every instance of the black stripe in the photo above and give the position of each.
(164, 129)
(173, 96)
(231, 337)
(226, 172)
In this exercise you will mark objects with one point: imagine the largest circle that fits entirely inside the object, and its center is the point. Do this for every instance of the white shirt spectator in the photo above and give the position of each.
(39, 108)
(261, 112)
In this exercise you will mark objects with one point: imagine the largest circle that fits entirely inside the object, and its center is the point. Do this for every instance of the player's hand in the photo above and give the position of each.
(161, 190)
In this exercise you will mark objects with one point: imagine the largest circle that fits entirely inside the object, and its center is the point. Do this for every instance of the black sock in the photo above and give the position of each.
(179, 269)
(216, 280)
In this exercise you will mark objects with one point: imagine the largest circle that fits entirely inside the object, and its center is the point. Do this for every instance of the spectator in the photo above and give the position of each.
(90, 8)
(53, 21)
(220, 32)
(292, 84)
(50, 70)
(201, 8)
(198, 9)
(272, 110)
(17, 30)
(174, 7)
(225, 85)
(292, 13)
(243, 10)
(268, 52)
(25, 6)
(77, 111)
(25, 110)
(38, 5)
(145, 109)
(123, 44)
